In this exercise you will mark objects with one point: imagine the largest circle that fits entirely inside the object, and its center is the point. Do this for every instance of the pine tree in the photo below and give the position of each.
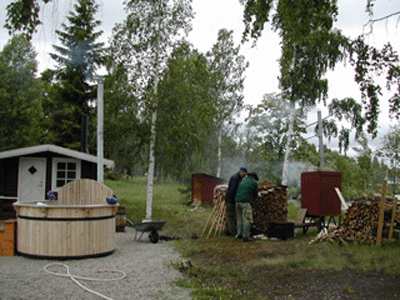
(78, 57)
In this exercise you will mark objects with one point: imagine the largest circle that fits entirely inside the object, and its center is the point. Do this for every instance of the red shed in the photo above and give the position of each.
(318, 193)
(203, 187)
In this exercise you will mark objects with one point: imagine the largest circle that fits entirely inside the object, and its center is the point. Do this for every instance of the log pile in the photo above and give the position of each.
(219, 193)
(362, 219)
(270, 206)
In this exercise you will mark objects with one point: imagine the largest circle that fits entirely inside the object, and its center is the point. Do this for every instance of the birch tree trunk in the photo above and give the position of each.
(219, 152)
(285, 173)
(321, 143)
(150, 173)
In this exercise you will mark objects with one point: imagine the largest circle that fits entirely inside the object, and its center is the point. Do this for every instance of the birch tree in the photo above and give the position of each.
(227, 66)
(143, 43)
(310, 46)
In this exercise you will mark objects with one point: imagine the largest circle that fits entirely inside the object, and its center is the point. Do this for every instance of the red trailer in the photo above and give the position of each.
(318, 195)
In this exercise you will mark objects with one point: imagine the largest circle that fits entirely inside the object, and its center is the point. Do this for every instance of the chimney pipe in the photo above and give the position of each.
(84, 134)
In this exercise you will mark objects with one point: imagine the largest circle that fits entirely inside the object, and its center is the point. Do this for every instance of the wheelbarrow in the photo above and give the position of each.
(152, 226)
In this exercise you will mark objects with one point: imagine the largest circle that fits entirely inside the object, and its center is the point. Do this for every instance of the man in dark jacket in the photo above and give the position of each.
(246, 193)
(230, 228)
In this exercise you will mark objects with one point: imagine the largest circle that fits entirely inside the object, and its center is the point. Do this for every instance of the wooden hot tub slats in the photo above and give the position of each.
(83, 192)
(68, 238)
(79, 224)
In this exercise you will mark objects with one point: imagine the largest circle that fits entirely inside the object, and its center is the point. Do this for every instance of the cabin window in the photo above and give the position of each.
(65, 170)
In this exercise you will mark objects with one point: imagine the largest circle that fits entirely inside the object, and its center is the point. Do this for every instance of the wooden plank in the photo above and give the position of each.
(7, 237)
(301, 215)
(208, 221)
(344, 204)
(220, 219)
(381, 214)
(299, 222)
(393, 218)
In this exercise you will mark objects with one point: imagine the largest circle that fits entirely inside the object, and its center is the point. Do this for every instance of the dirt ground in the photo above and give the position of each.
(252, 280)
(345, 284)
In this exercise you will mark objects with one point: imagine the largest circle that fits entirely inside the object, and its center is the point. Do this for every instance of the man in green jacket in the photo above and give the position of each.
(246, 193)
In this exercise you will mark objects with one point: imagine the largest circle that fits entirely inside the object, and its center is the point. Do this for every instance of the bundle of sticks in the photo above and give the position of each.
(362, 221)
(216, 222)
(270, 206)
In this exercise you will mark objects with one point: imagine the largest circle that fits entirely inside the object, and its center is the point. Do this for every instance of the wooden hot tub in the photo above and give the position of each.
(79, 224)
(50, 230)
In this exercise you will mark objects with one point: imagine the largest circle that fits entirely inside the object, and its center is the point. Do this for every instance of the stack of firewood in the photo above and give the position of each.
(270, 206)
(361, 221)
(219, 193)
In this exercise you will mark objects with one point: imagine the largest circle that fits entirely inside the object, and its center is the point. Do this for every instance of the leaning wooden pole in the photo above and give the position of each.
(217, 217)
(220, 219)
(381, 214)
(393, 218)
(208, 221)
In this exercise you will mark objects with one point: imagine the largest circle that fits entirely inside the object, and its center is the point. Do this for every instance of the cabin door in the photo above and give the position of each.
(32, 172)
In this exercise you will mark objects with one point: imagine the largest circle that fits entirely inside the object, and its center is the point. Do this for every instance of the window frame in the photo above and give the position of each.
(57, 160)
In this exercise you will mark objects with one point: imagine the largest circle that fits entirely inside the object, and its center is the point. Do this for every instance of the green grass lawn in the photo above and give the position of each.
(169, 204)
(222, 262)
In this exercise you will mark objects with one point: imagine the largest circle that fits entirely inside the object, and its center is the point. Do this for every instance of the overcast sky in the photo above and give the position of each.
(212, 15)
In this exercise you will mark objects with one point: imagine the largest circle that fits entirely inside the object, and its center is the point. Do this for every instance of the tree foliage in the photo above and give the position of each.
(186, 108)
(227, 66)
(346, 109)
(78, 57)
(310, 45)
(256, 14)
(144, 41)
(125, 131)
(369, 63)
(270, 122)
(23, 15)
(80, 51)
(390, 148)
(389, 151)
(20, 95)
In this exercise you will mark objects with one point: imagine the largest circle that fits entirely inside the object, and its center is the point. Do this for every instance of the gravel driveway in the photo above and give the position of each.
(149, 274)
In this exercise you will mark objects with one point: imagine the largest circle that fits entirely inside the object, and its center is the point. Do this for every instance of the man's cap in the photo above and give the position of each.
(243, 170)
(253, 174)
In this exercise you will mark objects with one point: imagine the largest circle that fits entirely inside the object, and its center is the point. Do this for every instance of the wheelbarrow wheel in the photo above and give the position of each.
(154, 237)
